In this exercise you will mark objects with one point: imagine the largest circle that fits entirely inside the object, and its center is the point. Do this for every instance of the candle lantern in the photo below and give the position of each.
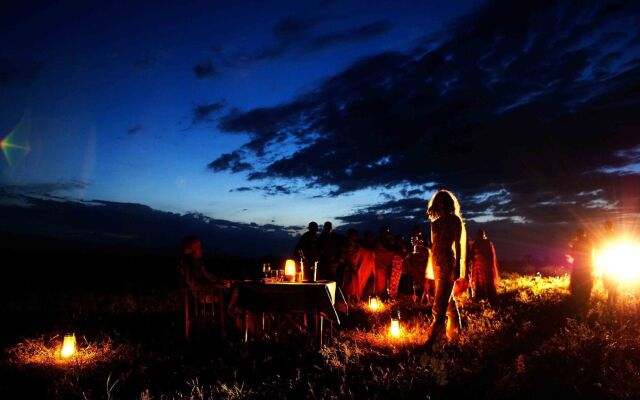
(290, 270)
(374, 304)
(68, 346)
(394, 327)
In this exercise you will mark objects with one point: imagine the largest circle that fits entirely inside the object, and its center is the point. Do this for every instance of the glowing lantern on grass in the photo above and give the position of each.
(374, 304)
(68, 346)
(290, 270)
(394, 328)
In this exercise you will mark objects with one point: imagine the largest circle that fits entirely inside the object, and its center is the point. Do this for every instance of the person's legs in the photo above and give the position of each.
(453, 320)
(443, 294)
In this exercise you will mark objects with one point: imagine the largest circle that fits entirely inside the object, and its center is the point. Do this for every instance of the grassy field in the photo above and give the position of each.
(531, 344)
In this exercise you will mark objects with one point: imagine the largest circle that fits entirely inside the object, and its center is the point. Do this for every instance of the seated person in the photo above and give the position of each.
(192, 270)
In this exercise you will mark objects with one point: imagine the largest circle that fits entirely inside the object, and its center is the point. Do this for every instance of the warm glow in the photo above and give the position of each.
(374, 304)
(620, 259)
(68, 346)
(290, 269)
(394, 329)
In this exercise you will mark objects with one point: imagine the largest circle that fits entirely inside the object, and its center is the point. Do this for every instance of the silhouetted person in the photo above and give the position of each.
(359, 266)
(328, 252)
(447, 234)
(581, 281)
(417, 262)
(384, 253)
(609, 282)
(368, 240)
(307, 247)
(400, 254)
(484, 268)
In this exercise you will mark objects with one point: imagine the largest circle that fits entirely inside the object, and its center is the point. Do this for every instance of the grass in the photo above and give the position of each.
(530, 344)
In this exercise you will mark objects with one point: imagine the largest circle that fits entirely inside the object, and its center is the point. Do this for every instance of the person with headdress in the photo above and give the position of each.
(448, 237)
(484, 268)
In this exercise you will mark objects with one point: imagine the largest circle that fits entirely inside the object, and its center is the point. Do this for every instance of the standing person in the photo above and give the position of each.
(581, 281)
(609, 282)
(328, 253)
(484, 268)
(447, 235)
(307, 248)
(359, 266)
(384, 253)
(418, 259)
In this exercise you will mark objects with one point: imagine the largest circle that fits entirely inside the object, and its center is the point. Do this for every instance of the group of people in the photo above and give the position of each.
(376, 266)
(433, 265)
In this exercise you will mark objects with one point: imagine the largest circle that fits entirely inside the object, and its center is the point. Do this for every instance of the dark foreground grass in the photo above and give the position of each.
(531, 344)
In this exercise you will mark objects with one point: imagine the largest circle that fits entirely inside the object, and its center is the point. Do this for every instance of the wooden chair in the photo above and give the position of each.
(204, 305)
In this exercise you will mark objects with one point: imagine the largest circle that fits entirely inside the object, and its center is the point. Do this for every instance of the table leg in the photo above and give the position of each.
(186, 314)
(245, 322)
(321, 326)
(223, 331)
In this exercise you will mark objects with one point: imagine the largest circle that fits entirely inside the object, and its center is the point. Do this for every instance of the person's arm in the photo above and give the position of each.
(458, 247)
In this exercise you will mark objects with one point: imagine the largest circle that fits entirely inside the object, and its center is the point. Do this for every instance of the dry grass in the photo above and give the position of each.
(43, 351)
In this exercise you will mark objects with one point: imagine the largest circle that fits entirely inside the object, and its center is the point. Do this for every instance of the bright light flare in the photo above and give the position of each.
(619, 259)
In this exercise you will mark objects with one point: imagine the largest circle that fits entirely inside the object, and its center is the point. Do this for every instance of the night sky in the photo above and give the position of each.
(277, 113)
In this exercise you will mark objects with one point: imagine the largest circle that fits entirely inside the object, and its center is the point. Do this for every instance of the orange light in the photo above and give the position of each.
(68, 346)
(290, 270)
(394, 328)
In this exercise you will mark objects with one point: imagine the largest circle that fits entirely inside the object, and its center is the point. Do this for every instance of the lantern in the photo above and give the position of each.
(68, 346)
(290, 270)
(394, 327)
(374, 304)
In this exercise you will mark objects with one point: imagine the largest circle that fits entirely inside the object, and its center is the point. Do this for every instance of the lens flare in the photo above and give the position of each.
(620, 259)
(13, 147)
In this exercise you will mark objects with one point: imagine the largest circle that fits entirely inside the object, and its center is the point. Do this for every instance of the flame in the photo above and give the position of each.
(619, 259)
(394, 328)
(68, 346)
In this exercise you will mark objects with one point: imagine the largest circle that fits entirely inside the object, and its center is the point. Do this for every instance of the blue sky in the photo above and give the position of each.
(355, 112)
(104, 69)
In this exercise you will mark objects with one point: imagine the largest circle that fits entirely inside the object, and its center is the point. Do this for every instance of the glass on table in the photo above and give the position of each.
(266, 269)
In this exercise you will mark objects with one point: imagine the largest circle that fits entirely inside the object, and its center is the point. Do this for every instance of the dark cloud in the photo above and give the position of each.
(205, 69)
(203, 112)
(42, 188)
(135, 129)
(534, 101)
(364, 32)
(268, 190)
(230, 161)
(16, 71)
